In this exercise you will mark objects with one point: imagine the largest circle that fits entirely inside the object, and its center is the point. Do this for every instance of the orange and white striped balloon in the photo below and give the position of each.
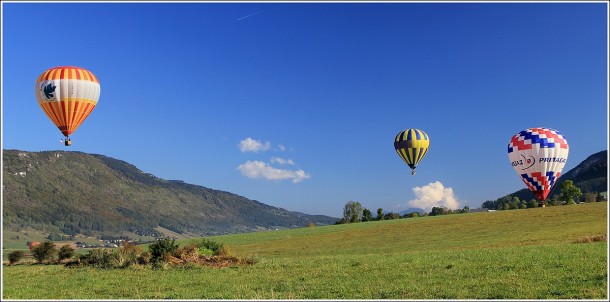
(67, 94)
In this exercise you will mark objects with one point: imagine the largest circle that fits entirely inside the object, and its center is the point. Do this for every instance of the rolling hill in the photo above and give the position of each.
(553, 253)
(75, 192)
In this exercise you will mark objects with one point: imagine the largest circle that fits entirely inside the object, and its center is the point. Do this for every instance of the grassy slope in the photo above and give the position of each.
(454, 232)
(519, 254)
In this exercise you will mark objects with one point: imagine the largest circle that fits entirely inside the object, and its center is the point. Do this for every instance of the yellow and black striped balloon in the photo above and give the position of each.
(412, 145)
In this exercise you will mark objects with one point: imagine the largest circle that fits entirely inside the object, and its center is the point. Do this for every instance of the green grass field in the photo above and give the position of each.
(541, 253)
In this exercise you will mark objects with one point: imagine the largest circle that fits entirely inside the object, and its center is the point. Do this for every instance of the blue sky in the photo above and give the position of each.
(296, 105)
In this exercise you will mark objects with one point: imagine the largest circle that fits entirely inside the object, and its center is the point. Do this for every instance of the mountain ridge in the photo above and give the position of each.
(75, 192)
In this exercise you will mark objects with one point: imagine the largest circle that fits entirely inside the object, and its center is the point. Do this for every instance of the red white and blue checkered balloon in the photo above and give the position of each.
(538, 155)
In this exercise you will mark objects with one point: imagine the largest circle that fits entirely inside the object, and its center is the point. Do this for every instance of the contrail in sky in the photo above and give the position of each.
(248, 16)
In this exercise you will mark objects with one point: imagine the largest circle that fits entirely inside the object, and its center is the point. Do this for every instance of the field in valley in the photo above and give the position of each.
(543, 253)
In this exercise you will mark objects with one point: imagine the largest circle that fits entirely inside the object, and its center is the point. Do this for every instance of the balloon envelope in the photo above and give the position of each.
(412, 145)
(67, 95)
(32, 245)
(538, 155)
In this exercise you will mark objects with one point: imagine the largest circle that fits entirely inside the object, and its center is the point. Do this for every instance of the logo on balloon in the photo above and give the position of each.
(48, 90)
(528, 162)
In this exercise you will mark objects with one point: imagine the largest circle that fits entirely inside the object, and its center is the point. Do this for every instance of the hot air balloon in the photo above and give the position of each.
(32, 245)
(67, 94)
(538, 155)
(412, 145)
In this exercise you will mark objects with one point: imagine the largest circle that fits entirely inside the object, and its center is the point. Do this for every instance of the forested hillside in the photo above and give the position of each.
(75, 192)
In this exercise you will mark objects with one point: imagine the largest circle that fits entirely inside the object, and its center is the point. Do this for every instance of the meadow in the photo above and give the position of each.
(543, 253)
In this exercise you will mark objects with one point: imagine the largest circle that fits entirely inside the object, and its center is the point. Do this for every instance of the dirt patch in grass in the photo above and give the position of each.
(213, 261)
(594, 238)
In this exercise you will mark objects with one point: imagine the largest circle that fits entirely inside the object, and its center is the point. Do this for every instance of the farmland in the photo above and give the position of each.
(541, 253)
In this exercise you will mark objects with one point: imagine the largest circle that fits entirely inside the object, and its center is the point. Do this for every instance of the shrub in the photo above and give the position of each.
(44, 251)
(102, 258)
(144, 258)
(204, 251)
(188, 252)
(161, 249)
(163, 254)
(14, 257)
(210, 245)
(129, 254)
(65, 252)
(223, 250)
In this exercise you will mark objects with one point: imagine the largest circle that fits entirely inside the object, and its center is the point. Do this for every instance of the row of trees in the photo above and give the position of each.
(570, 194)
(45, 252)
(354, 212)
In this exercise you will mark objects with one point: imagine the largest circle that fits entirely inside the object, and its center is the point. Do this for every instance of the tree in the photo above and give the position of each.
(600, 197)
(352, 212)
(380, 214)
(590, 196)
(490, 205)
(392, 215)
(367, 215)
(14, 257)
(438, 211)
(514, 203)
(54, 237)
(44, 251)
(570, 192)
(65, 252)
(532, 203)
(162, 248)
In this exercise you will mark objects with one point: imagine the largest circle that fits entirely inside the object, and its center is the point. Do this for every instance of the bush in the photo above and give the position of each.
(144, 258)
(65, 252)
(188, 254)
(209, 245)
(102, 258)
(161, 249)
(124, 256)
(44, 251)
(14, 257)
(164, 253)
(204, 251)
(223, 251)
(129, 254)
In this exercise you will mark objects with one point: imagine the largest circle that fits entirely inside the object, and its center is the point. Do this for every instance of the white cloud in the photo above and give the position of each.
(281, 147)
(251, 145)
(434, 195)
(259, 169)
(281, 161)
